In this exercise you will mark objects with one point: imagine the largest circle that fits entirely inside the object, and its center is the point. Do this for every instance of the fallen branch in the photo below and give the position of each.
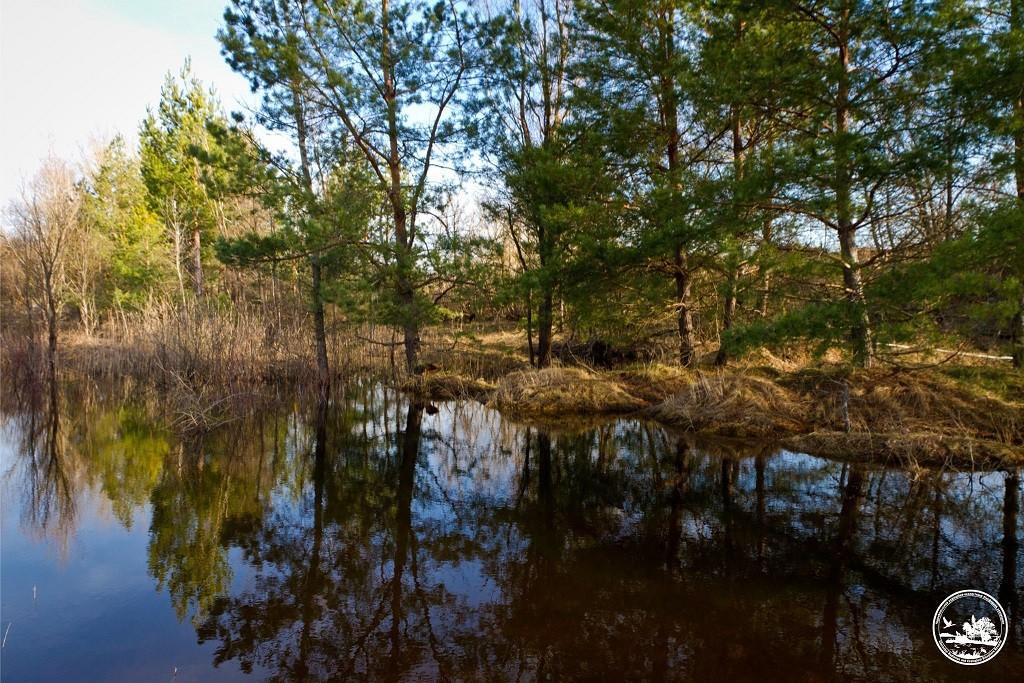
(956, 353)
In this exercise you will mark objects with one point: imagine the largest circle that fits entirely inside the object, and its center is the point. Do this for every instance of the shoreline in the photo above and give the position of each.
(958, 416)
(910, 419)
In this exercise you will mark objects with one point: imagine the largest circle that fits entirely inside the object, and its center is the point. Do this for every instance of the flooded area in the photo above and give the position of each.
(375, 539)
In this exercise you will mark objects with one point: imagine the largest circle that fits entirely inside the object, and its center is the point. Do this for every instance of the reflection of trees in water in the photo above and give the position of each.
(337, 581)
(67, 443)
(207, 487)
(627, 538)
(46, 472)
(379, 542)
(1009, 583)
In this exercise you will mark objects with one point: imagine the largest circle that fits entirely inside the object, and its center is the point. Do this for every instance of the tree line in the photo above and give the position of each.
(725, 173)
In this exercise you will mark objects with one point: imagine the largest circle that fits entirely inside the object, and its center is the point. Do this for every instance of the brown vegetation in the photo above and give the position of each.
(208, 366)
(963, 414)
(732, 404)
(906, 402)
(446, 387)
(562, 391)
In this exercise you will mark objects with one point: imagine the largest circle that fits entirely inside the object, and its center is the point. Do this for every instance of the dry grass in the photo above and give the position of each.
(905, 403)
(448, 387)
(563, 391)
(654, 382)
(913, 417)
(732, 404)
(476, 351)
(207, 362)
(198, 344)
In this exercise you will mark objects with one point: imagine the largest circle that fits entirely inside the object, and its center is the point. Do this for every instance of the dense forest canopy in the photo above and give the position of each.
(710, 176)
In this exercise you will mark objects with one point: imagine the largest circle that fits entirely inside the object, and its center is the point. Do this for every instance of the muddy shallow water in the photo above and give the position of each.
(373, 539)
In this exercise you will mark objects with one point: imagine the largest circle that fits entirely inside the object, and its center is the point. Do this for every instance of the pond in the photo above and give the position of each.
(377, 539)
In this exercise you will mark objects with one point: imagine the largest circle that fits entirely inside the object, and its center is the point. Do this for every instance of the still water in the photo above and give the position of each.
(374, 539)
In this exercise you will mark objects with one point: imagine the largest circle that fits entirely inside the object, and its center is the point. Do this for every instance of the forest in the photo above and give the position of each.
(515, 340)
(795, 218)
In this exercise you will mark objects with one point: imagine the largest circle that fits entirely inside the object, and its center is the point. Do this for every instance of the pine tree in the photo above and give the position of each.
(169, 139)
(844, 115)
(518, 113)
(638, 76)
(116, 212)
(367, 66)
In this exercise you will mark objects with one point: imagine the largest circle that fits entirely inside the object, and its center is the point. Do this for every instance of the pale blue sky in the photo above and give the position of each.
(73, 73)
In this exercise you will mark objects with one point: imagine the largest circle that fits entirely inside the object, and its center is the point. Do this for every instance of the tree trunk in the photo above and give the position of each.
(545, 312)
(403, 238)
(1018, 334)
(316, 293)
(728, 314)
(670, 121)
(860, 332)
(85, 313)
(1017, 24)
(766, 273)
(51, 324)
(687, 354)
(410, 336)
(729, 305)
(197, 262)
(30, 313)
(319, 327)
(529, 327)
(176, 230)
(766, 290)
(544, 323)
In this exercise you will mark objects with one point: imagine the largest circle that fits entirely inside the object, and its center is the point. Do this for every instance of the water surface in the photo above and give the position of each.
(374, 539)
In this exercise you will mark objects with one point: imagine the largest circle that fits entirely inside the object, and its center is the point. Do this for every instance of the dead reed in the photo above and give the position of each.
(562, 391)
(732, 405)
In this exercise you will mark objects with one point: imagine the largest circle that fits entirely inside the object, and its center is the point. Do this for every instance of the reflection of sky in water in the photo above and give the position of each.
(625, 551)
(96, 616)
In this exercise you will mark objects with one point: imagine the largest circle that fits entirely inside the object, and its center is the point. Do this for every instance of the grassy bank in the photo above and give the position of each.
(966, 415)
(206, 370)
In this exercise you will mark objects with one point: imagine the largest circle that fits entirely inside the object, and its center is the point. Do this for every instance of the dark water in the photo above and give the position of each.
(378, 540)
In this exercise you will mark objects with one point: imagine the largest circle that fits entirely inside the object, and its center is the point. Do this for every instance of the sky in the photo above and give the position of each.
(77, 72)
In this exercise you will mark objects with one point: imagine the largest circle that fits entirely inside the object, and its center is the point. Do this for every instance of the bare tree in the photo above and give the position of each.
(45, 219)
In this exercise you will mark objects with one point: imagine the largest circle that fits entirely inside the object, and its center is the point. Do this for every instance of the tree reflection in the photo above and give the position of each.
(47, 471)
(842, 547)
(332, 587)
(1008, 589)
(610, 553)
(370, 539)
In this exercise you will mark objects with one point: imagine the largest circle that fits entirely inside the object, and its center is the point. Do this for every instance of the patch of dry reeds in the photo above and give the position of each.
(732, 404)
(445, 386)
(904, 403)
(654, 382)
(199, 344)
(562, 391)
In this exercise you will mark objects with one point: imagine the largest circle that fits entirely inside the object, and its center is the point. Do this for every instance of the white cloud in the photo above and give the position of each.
(70, 74)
